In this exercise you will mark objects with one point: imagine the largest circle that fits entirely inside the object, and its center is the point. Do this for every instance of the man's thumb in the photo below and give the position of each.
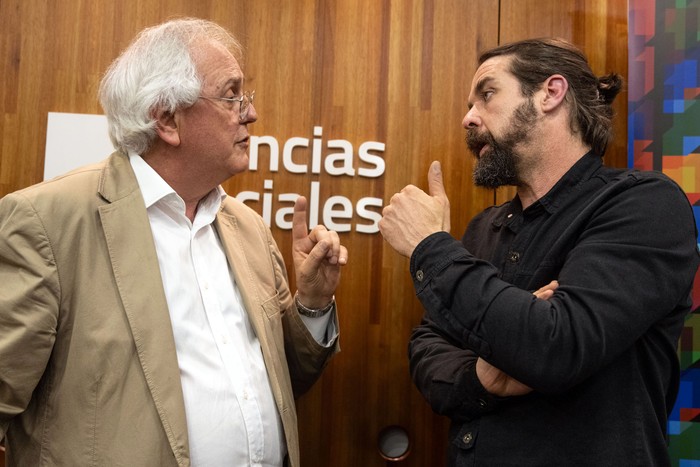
(435, 185)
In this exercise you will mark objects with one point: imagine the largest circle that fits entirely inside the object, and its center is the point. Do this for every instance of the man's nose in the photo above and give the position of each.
(471, 119)
(252, 115)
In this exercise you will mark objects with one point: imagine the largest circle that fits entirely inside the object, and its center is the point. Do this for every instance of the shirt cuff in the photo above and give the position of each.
(324, 329)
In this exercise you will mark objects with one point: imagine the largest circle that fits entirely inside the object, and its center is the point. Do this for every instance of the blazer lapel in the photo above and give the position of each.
(137, 275)
(235, 252)
(231, 239)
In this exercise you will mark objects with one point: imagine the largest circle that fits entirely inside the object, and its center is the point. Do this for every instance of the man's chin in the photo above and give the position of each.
(493, 184)
(492, 179)
(488, 185)
(239, 163)
(475, 152)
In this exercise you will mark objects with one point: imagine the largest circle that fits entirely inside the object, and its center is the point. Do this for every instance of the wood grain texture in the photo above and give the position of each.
(396, 72)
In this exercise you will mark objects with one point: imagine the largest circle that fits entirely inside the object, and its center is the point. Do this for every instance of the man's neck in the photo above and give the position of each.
(553, 162)
(189, 186)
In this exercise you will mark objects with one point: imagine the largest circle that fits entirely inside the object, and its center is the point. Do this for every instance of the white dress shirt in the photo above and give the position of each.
(232, 419)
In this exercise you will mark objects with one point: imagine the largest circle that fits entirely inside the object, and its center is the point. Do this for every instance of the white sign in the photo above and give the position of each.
(73, 140)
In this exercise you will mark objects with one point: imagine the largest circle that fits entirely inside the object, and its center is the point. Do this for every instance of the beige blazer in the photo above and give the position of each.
(88, 370)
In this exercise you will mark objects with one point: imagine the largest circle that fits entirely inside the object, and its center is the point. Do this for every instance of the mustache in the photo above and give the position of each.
(476, 140)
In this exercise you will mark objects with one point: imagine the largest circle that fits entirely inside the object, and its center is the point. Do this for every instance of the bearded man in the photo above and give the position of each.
(550, 331)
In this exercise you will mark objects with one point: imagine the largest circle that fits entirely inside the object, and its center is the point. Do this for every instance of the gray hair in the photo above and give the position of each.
(156, 72)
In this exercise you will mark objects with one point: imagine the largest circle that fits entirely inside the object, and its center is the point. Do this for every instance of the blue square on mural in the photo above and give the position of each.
(684, 399)
(690, 144)
(674, 427)
(692, 377)
(674, 106)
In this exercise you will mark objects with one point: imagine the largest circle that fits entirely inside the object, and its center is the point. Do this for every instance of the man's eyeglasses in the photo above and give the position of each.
(245, 101)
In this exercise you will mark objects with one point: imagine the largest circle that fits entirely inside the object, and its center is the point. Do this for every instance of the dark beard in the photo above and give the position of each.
(498, 166)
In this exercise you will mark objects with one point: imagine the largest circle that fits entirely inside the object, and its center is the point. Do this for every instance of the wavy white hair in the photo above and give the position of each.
(156, 72)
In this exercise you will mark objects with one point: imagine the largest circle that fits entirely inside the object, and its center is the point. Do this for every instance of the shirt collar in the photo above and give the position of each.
(578, 174)
(154, 189)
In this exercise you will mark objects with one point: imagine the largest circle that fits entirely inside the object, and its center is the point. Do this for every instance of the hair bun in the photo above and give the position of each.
(609, 86)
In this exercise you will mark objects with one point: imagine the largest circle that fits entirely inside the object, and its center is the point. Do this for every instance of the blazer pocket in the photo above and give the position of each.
(271, 306)
(274, 329)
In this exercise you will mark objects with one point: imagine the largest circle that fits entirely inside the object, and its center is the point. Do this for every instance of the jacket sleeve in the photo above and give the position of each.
(29, 302)
(631, 268)
(445, 375)
(306, 358)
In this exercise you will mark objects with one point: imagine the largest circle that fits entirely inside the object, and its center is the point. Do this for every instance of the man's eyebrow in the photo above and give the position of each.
(480, 86)
(233, 83)
(482, 83)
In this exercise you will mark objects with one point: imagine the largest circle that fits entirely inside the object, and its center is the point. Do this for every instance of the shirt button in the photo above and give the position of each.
(419, 275)
(513, 256)
(482, 403)
(467, 438)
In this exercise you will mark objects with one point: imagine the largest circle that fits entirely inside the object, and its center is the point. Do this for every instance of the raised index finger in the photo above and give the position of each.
(299, 228)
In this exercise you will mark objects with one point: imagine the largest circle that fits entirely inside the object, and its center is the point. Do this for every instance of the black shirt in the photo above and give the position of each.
(600, 355)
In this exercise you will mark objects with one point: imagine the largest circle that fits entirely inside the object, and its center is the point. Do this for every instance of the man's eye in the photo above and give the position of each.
(486, 95)
(230, 94)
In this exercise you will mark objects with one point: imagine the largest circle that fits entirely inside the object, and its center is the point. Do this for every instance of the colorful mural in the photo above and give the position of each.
(664, 135)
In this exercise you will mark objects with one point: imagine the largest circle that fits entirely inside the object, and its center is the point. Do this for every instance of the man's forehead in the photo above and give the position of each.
(493, 69)
(217, 65)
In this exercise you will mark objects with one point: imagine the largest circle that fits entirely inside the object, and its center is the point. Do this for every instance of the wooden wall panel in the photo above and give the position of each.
(396, 72)
(371, 71)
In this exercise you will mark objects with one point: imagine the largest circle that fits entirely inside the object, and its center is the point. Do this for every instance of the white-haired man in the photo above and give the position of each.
(145, 316)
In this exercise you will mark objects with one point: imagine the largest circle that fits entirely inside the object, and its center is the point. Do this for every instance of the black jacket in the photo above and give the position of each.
(600, 355)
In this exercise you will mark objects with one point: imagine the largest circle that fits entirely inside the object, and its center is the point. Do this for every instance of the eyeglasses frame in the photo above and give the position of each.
(246, 96)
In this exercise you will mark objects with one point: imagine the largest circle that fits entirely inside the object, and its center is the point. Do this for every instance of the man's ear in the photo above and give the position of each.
(555, 88)
(166, 127)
